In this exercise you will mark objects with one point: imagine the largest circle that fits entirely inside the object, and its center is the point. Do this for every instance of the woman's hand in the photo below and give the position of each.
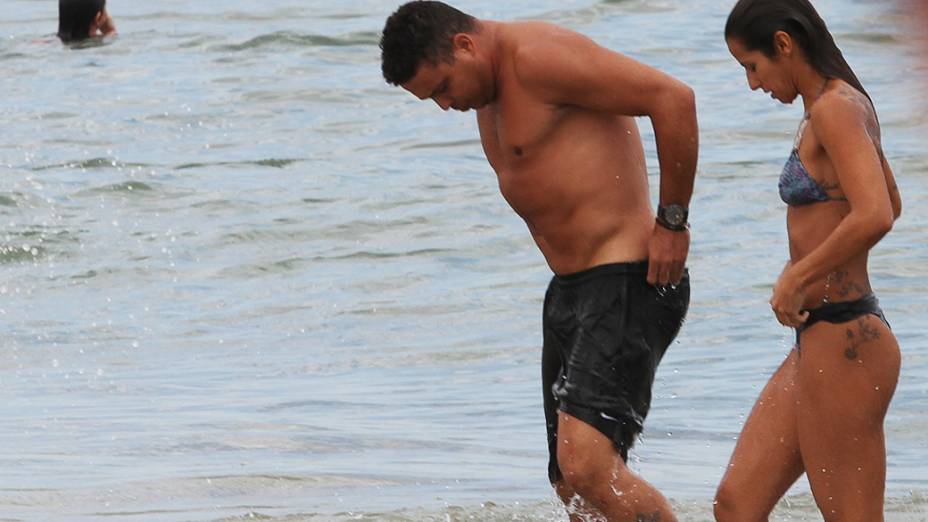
(787, 299)
(104, 23)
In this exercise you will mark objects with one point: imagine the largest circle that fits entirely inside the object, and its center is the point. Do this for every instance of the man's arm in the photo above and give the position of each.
(567, 68)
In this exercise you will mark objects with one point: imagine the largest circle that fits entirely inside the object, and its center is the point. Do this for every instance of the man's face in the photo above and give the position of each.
(455, 85)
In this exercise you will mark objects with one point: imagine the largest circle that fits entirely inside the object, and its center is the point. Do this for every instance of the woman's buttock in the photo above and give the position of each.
(859, 360)
(856, 332)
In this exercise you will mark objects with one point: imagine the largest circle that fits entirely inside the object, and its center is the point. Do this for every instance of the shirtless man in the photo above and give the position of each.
(555, 112)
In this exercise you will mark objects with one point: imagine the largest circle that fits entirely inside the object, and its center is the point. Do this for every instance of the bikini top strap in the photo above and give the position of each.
(801, 131)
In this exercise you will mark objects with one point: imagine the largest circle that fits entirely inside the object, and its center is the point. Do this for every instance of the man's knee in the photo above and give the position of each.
(584, 471)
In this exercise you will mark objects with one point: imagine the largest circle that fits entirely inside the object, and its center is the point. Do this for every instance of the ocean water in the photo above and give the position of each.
(241, 278)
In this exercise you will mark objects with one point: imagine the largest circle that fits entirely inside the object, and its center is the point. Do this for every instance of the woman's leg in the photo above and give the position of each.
(847, 377)
(766, 460)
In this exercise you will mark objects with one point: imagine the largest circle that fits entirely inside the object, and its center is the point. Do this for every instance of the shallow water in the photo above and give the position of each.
(243, 279)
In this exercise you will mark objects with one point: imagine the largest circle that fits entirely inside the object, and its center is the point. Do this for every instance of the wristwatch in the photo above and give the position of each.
(673, 217)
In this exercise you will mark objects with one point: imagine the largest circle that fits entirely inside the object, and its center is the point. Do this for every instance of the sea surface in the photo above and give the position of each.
(242, 278)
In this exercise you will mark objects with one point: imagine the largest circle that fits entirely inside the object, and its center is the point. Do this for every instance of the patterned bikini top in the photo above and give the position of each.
(797, 187)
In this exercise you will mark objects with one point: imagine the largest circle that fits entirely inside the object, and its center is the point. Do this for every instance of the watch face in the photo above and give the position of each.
(674, 214)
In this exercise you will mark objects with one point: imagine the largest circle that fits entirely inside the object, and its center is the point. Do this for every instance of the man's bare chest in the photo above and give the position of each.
(516, 130)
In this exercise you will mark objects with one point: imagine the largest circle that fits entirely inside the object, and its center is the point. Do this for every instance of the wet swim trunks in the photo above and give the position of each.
(605, 331)
(843, 312)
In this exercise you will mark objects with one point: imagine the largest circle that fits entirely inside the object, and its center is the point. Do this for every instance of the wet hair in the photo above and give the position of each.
(420, 31)
(754, 23)
(75, 17)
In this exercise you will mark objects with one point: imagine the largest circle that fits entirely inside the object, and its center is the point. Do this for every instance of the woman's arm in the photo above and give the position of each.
(839, 123)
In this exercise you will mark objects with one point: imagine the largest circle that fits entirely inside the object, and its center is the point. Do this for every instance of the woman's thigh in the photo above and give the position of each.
(847, 376)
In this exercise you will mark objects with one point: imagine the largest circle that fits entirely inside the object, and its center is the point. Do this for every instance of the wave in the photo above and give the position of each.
(277, 163)
(289, 39)
(92, 163)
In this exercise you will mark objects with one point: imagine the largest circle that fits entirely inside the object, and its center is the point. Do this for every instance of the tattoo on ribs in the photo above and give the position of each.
(844, 287)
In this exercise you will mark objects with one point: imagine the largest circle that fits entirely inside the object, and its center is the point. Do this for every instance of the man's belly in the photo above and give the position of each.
(588, 238)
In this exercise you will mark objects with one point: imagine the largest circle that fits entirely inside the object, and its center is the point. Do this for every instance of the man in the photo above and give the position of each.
(555, 117)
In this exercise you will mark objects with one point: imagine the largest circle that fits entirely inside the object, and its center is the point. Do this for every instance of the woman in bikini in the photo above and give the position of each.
(822, 411)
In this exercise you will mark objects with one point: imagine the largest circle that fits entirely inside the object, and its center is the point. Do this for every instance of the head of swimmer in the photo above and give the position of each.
(82, 19)
(435, 52)
(779, 41)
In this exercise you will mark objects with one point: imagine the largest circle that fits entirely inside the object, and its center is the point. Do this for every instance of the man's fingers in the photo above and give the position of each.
(663, 274)
(657, 272)
(652, 273)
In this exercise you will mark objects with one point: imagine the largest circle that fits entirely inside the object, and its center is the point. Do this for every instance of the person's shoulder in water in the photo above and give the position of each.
(79, 20)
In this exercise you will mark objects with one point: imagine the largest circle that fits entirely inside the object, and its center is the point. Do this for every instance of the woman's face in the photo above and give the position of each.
(772, 75)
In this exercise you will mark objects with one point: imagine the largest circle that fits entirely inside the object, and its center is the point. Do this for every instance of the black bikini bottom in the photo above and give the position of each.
(843, 312)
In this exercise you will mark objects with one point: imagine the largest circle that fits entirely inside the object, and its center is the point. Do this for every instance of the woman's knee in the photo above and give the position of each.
(732, 506)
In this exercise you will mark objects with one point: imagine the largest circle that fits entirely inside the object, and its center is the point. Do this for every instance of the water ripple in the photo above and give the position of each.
(289, 39)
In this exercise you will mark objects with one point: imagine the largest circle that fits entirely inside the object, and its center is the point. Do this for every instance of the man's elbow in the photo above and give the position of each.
(674, 107)
(685, 98)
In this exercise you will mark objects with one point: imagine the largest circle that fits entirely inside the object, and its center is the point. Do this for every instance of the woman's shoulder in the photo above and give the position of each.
(840, 109)
(841, 101)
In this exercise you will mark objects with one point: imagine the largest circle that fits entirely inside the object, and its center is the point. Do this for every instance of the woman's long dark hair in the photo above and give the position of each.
(754, 22)
(75, 17)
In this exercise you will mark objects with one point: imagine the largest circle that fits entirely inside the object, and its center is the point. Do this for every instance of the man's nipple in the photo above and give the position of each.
(517, 151)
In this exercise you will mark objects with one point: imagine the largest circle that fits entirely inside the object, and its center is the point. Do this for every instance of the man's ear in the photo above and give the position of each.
(463, 42)
(783, 43)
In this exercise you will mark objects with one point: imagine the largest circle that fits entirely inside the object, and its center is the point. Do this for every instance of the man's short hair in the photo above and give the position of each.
(420, 31)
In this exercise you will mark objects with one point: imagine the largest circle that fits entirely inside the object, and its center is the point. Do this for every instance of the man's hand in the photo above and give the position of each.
(787, 299)
(667, 251)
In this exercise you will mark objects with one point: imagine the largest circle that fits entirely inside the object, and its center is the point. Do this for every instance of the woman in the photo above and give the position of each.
(822, 411)
(82, 19)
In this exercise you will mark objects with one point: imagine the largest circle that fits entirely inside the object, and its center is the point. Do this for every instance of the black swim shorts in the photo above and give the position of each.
(605, 331)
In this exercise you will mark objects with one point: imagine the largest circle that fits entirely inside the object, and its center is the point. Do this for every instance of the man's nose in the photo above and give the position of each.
(753, 83)
(444, 102)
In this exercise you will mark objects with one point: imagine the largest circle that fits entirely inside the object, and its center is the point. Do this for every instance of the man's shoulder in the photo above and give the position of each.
(526, 37)
(532, 45)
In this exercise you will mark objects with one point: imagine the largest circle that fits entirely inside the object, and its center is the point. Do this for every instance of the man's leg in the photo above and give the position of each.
(578, 510)
(593, 468)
